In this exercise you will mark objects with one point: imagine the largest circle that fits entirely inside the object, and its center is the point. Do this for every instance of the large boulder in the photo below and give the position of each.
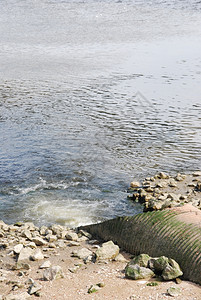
(108, 250)
(136, 272)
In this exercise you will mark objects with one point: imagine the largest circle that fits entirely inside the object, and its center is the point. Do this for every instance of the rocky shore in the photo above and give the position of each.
(58, 262)
(164, 191)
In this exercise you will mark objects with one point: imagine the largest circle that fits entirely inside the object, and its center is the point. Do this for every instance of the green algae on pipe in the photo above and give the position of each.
(156, 233)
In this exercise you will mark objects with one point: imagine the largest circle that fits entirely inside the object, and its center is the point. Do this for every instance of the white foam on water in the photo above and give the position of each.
(71, 213)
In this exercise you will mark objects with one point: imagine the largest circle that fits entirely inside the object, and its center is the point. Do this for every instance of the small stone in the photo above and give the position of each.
(35, 287)
(51, 238)
(72, 236)
(136, 272)
(61, 244)
(172, 270)
(45, 265)
(25, 254)
(141, 260)
(52, 245)
(173, 291)
(134, 184)
(53, 273)
(31, 245)
(18, 248)
(93, 289)
(39, 241)
(85, 233)
(37, 255)
(82, 253)
(108, 250)
(162, 175)
(172, 183)
(21, 265)
(27, 234)
(73, 244)
(158, 264)
(120, 258)
(197, 173)
(74, 269)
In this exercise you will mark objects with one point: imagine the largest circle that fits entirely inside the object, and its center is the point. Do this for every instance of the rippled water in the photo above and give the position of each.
(92, 95)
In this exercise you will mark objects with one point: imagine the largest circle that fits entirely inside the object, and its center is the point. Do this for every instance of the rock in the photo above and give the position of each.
(134, 184)
(74, 269)
(21, 265)
(85, 233)
(93, 288)
(174, 197)
(53, 273)
(52, 245)
(136, 272)
(37, 255)
(180, 177)
(31, 245)
(34, 287)
(82, 253)
(45, 265)
(27, 234)
(173, 291)
(73, 243)
(158, 264)
(172, 270)
(72, 236)
(172, 183)
(39, 241)
(61, 244)
(162, 175)
(1, 234)
(25, 254)
(198, 186)
(18, 248)
(43, 230)
(120, 258)
(196, 174)
(22, 296)
(141, 260)
(51, 238)
(108, 250)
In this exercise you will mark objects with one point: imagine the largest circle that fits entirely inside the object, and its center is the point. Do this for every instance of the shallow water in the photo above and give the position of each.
(92, 95)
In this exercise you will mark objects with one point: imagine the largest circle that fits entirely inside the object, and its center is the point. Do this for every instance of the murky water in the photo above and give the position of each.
(92, 95)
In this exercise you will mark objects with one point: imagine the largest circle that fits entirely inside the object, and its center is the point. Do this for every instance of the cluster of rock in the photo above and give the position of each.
(144, 267)
(164, 191)
(24, 243)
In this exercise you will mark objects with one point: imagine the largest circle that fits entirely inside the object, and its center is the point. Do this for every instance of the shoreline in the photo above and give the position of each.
(27, 252)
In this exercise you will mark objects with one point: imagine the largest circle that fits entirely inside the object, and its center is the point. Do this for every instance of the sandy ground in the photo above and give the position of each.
(76, 285)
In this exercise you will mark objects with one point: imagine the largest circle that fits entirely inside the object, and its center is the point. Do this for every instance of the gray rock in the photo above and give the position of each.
(172, 270)
(141, 260)
(82, 253)
(136, 272)
(108, 250)
(173, 291)
(25, 254)
(134, 184)
(93, 289)
(47, 264)
(31, 245)
(53, 273)
(37, 255)
(51, 238)
(72, 236)
(17, 248)
(120, 258)
(85, 233)
(158, 264)
(196, 174)
(34, 287)
(73, 243)
(27, 234)
(39, 241)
